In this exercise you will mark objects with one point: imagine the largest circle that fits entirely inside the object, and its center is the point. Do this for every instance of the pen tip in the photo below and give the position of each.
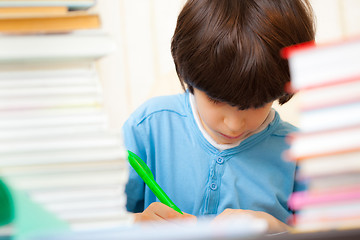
(130, 153)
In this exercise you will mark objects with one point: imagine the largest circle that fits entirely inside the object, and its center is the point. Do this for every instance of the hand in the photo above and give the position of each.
(160, 212)
(274, 225)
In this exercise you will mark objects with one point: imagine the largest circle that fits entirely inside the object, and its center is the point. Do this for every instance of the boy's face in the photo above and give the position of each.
(227, 124)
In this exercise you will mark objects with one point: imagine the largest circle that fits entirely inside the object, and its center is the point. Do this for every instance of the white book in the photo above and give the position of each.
(331, 210)
(6, 231)
(70, 194)
(101, 224)
(33, 120)
(324, 64)
(329, 118)
(318, 225)
(308, 145)
(67, 167)
(66, 180)
(329, 216)
(46, 112)
(330, 164)
(51, 81)
(61, 142)
(48, 74)
(333, 182)
(71, 4)
(25, 103)
(335, 225)
(29, 86)
(53, 121)
(94, 214)
(48, 91)
(74, 46)
(112, 152)
(86, 204)
(21, 133)
(329, 95)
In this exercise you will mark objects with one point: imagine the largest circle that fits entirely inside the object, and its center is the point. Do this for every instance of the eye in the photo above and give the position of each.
(213, 100)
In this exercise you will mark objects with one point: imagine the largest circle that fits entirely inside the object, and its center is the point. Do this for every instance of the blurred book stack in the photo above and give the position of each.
(66, 170)
(46, 16)
(327, 147)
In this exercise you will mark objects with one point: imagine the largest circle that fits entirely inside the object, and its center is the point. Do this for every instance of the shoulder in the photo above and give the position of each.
(282, 128)
(159, 107)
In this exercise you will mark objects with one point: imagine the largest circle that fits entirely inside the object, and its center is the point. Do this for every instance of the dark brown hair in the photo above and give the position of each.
(230, 49)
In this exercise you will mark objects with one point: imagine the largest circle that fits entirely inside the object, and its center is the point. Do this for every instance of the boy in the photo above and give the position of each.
(216, 149)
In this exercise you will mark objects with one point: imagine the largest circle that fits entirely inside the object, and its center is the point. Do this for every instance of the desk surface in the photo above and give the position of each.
(353, 234)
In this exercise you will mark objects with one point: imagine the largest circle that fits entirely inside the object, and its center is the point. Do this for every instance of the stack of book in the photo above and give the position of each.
(66, 170)
(327, 147)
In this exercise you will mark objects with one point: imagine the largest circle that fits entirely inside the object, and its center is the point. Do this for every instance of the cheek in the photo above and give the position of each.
(255, 119)
(254, 124)
(211, 118)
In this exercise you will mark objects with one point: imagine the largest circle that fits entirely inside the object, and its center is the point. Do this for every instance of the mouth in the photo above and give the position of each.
(232, 137)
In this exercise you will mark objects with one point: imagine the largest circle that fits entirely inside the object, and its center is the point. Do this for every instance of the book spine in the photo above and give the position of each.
(300, 200)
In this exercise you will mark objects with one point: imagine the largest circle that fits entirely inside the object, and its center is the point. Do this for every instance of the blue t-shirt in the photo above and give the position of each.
(199, 178)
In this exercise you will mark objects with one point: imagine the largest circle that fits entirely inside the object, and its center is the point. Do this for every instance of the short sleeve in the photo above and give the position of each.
(135, 186)
(299, 185)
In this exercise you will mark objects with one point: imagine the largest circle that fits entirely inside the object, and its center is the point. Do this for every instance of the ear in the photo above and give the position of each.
(288, 88)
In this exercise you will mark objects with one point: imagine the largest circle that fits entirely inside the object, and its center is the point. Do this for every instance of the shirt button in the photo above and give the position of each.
(220, 160)
(213, 186)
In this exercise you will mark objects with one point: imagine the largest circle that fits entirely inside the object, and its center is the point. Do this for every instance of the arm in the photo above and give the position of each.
(135, 140)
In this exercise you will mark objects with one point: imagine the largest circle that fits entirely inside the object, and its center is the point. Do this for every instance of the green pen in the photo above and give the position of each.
(145, 173)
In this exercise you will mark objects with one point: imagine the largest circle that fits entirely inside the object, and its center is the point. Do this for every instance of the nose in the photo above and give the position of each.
(235, 122)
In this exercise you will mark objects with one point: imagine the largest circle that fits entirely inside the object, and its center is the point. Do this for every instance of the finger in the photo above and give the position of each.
(163, 211)
(147, 216)
(160, 212)
(189, 216)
